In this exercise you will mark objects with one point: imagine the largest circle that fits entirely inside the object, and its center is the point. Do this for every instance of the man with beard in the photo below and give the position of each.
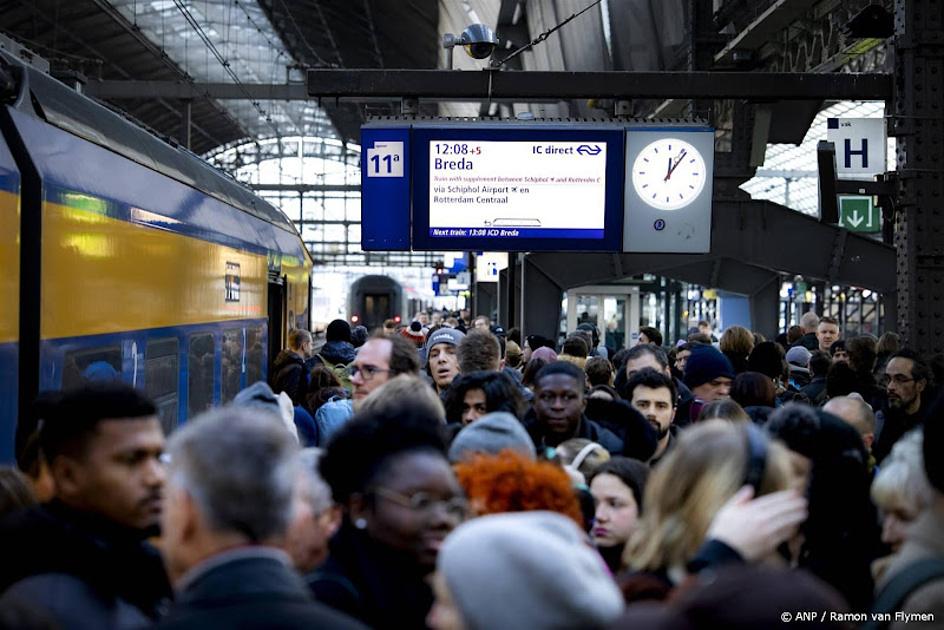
(906, 382)
(652, 393)
(83, 558)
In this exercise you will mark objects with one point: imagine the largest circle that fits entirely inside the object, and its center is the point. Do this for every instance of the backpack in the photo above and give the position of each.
(340, 371)
(894, 594)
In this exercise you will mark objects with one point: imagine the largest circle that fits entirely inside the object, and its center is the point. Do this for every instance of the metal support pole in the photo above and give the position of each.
(511, 300)
(473, 289)
(521, 320)
(185, 124)
(917, 121)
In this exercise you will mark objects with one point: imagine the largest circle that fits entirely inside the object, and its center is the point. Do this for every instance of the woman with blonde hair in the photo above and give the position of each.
(737, 343)
(902, 492)
(699, 507)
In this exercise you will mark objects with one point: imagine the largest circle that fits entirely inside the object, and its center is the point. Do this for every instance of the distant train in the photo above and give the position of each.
(122, 257)
(373, 299)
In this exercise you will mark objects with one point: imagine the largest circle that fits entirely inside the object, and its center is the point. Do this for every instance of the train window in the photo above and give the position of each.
(255, 355)
(232, 363)
(200, 377)
(161, 369)
(91, 364)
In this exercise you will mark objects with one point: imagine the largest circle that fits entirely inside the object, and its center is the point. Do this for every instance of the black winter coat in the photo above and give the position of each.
(290, 375)
(372, 583)
(638, 435)
(104, 568)
(587, 429)
(251, 592)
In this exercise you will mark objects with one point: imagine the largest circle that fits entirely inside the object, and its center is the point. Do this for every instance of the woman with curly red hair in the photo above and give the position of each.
(511, 482)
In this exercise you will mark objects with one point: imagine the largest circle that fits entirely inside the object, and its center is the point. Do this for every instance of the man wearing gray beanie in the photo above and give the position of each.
(491, 434)
(533, 570)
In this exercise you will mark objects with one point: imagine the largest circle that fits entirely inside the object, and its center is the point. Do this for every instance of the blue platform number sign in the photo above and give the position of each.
(385, 188)
(385, 160)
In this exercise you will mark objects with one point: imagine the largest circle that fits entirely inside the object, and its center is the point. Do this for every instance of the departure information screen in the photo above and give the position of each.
(512, 189)
(516, 189)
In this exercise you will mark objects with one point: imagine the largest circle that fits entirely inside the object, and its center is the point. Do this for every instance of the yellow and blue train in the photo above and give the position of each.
(122, 257)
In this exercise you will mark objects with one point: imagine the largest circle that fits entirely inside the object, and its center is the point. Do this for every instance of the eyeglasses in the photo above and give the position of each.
(367, 371)
(898, 379)
(422, 502)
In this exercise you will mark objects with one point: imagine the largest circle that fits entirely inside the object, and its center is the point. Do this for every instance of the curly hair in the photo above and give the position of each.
(501, 394)
(510, 482)
(363, 448)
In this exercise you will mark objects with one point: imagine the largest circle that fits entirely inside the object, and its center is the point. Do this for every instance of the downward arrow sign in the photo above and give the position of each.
(855, 219)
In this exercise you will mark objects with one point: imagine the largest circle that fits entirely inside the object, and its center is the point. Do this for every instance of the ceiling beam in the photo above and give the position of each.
(122, 90)
(303, 188)
(446, 84)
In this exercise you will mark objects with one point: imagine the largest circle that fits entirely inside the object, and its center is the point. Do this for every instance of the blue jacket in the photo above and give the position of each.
(331, 416)
(306, 427)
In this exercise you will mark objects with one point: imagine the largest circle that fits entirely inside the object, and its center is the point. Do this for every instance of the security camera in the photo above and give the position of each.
(478, 40)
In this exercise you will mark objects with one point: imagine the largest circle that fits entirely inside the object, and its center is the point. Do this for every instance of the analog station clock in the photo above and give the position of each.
(669, 173)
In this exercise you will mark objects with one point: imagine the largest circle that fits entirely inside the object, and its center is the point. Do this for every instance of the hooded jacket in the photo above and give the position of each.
(290, 375)
(338, 352)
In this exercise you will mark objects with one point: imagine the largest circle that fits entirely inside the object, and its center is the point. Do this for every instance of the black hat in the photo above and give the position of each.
(338, 330)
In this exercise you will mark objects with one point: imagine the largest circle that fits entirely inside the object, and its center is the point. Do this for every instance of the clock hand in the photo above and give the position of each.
(672, 167)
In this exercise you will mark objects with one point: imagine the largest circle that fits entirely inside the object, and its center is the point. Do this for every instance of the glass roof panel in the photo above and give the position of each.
(213, 40)
(789, 176)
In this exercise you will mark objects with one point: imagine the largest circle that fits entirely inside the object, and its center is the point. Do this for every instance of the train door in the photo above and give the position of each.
(276, 316)
(614, 310)
(377, 308)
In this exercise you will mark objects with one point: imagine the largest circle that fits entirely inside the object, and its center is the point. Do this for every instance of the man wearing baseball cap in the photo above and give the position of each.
(442, 364)
(708, 373)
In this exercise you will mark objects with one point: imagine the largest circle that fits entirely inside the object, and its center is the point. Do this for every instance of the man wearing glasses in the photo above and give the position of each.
(906, 382)
(378, 360)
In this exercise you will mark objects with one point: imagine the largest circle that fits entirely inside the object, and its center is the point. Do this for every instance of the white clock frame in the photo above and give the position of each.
(681, 183)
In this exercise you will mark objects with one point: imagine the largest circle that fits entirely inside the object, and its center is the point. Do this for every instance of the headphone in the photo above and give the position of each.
(756, 457)
(583, 454)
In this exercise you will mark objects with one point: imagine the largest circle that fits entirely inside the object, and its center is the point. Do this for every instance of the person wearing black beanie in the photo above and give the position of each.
(708, 373)
(338, 348)
(338, 330)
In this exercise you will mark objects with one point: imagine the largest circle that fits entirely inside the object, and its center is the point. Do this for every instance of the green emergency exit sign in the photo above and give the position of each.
(859, 214)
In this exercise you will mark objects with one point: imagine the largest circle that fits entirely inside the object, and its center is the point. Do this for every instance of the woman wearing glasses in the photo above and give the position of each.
(388, 471)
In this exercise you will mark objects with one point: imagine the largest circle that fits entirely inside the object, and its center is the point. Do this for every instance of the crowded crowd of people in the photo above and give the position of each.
(447, 473)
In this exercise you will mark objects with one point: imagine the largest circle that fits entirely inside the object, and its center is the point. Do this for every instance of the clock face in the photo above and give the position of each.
(669, 174)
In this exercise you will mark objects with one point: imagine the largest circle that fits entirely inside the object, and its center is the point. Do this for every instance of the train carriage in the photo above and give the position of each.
(135, 261)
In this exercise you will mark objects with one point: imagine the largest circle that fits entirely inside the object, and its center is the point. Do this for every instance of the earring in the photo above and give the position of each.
(361, 523)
